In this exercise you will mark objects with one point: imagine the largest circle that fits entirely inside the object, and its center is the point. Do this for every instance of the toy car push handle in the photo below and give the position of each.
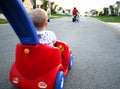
(19, 19)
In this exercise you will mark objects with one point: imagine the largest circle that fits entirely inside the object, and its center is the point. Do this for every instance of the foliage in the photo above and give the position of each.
(53, 11)
(106, 11)
(23, 0)
(94, 12)
(45, 5)
(109, 18)
(2, 21)
(112, 9)
(59, 16)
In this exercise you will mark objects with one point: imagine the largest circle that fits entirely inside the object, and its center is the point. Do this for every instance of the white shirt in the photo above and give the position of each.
(46, 37)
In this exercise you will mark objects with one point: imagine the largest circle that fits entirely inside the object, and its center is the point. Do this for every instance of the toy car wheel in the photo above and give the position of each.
(71, 61)
(60, 81)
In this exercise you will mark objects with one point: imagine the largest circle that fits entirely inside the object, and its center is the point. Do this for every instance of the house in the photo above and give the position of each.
(117, 8)
(39, 3)
(114, 10)
(28, 4)
(31, 4)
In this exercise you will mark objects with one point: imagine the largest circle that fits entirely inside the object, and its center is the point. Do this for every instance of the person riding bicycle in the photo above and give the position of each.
(75, 14)
(75, 11)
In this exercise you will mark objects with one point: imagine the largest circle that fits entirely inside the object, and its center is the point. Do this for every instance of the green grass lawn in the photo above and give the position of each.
(3, 21)
(54, 16)
(108, 18)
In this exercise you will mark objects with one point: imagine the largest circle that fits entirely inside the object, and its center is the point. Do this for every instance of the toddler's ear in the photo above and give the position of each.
(46, 24)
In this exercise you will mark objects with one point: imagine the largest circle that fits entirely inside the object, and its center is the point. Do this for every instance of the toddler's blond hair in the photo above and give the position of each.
(39, 17)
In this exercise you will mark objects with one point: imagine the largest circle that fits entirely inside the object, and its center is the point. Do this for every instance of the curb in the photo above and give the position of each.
(115, 25)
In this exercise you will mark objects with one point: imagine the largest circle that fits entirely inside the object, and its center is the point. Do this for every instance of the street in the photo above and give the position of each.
(95, 46)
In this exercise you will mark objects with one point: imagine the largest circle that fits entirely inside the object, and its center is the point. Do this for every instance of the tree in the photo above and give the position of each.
(101, 13)
(34, 6)
(112, 10)
(23, 0)
(106, 11)
(93, 12)
(45, 5)
(53, 9)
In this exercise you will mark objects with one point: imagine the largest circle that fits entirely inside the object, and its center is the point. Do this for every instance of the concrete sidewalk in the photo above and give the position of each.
(2, 16)
(117, 25)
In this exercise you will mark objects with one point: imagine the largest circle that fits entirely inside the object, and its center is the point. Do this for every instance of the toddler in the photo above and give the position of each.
(40, 20)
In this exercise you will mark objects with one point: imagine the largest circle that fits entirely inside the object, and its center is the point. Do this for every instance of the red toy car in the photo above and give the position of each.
(41, 66)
